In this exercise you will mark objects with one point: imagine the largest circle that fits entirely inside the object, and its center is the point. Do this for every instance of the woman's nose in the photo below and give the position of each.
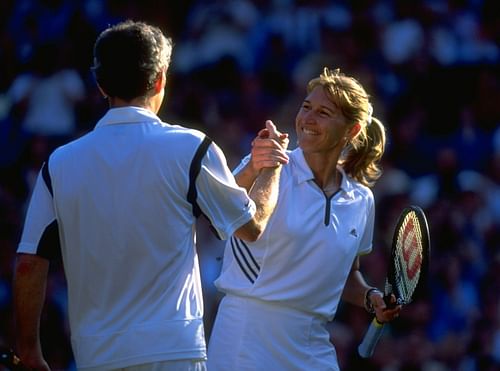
(309, 116)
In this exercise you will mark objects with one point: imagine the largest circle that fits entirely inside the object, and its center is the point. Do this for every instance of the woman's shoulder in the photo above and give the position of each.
(355, 186)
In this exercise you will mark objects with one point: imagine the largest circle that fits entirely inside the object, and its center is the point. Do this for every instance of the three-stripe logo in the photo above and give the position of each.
(245, 259)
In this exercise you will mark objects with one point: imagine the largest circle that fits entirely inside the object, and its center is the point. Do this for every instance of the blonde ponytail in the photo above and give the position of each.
(361, 157)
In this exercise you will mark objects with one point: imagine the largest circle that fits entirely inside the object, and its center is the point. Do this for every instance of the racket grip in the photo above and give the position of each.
(372, 336)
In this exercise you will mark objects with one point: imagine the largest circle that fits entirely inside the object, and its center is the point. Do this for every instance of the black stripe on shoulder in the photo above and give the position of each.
(194, 170)
(46, 177)
(49, 246)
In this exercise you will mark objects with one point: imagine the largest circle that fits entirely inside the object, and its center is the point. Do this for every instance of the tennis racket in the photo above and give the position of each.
(408, 266)
(9, 359)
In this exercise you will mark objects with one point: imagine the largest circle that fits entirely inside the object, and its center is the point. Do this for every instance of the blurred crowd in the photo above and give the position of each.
(432, 68)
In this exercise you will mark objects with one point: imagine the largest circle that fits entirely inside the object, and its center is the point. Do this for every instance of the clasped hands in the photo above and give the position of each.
(269, 148)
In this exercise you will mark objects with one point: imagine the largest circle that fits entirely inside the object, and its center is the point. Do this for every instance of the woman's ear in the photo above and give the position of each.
(354, 130)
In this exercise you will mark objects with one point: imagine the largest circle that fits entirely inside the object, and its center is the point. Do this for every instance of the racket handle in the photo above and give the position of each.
(372, 336)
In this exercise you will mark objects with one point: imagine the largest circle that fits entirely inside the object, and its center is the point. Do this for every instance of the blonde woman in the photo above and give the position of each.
(282, 289)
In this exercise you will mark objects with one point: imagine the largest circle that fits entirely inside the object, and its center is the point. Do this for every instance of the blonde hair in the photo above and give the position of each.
(360, 158)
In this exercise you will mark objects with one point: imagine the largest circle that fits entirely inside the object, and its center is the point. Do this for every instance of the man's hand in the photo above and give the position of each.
(33, 360)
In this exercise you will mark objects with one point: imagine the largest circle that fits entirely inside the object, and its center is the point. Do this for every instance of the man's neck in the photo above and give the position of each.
(148, 104)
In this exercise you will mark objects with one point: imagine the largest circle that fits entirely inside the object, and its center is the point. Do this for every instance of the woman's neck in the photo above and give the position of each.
(324, 169)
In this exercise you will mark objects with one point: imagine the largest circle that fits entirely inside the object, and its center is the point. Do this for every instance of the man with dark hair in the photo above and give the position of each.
(120, 205)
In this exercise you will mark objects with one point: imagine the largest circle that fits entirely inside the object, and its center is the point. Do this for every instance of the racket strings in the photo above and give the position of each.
(408, 257)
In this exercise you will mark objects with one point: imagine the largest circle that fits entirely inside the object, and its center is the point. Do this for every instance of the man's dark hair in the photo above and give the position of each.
(128, 58)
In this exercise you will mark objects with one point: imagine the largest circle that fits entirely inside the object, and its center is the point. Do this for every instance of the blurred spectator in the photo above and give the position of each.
(455, 301)
(48, 94)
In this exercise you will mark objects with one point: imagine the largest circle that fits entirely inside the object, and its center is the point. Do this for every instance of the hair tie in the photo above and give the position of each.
(370, 113)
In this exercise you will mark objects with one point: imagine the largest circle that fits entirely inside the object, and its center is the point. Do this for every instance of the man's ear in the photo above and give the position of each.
(160, 81)
(102, 91)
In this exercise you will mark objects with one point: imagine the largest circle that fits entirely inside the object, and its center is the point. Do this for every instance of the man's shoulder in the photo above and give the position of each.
(177, 138)
(184, 133)
(71, 145)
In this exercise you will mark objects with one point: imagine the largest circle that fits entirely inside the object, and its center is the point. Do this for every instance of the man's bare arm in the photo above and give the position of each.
(30, 281)
(261, 178)
(264, 193)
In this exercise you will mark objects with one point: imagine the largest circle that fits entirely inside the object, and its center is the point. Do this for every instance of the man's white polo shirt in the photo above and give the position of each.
(306, 252)
(126, 229)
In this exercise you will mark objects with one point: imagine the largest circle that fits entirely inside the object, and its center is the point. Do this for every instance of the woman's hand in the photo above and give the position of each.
(269, 148)
(383, 312)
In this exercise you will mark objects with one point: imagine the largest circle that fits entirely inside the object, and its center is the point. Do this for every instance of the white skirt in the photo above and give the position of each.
(173, 365)
(253, 335)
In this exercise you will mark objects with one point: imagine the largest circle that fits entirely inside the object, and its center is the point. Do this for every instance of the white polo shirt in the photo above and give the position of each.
(307, 250)
(126, 230)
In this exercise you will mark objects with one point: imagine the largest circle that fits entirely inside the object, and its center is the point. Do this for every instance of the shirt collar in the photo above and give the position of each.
(127, 115)
(304, 172)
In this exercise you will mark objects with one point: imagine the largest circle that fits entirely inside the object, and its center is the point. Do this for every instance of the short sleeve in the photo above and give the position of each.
(225, 204)
(366, 243)
(242, 164)
(40, 220)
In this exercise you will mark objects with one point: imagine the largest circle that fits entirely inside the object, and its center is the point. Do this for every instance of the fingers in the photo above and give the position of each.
(265, 156)
(388, 314)
(386, 311)
(273, 131)
(284, 141)
(263, 133)
(269, 147)
(267, 153)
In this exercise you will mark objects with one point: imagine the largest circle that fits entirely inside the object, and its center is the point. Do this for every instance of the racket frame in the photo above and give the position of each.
(375, 329)
(391, 285)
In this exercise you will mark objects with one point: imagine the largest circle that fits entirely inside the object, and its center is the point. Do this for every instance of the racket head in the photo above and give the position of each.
(409, 260)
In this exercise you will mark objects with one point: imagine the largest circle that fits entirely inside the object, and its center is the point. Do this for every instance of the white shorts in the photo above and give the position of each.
(254, 335)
